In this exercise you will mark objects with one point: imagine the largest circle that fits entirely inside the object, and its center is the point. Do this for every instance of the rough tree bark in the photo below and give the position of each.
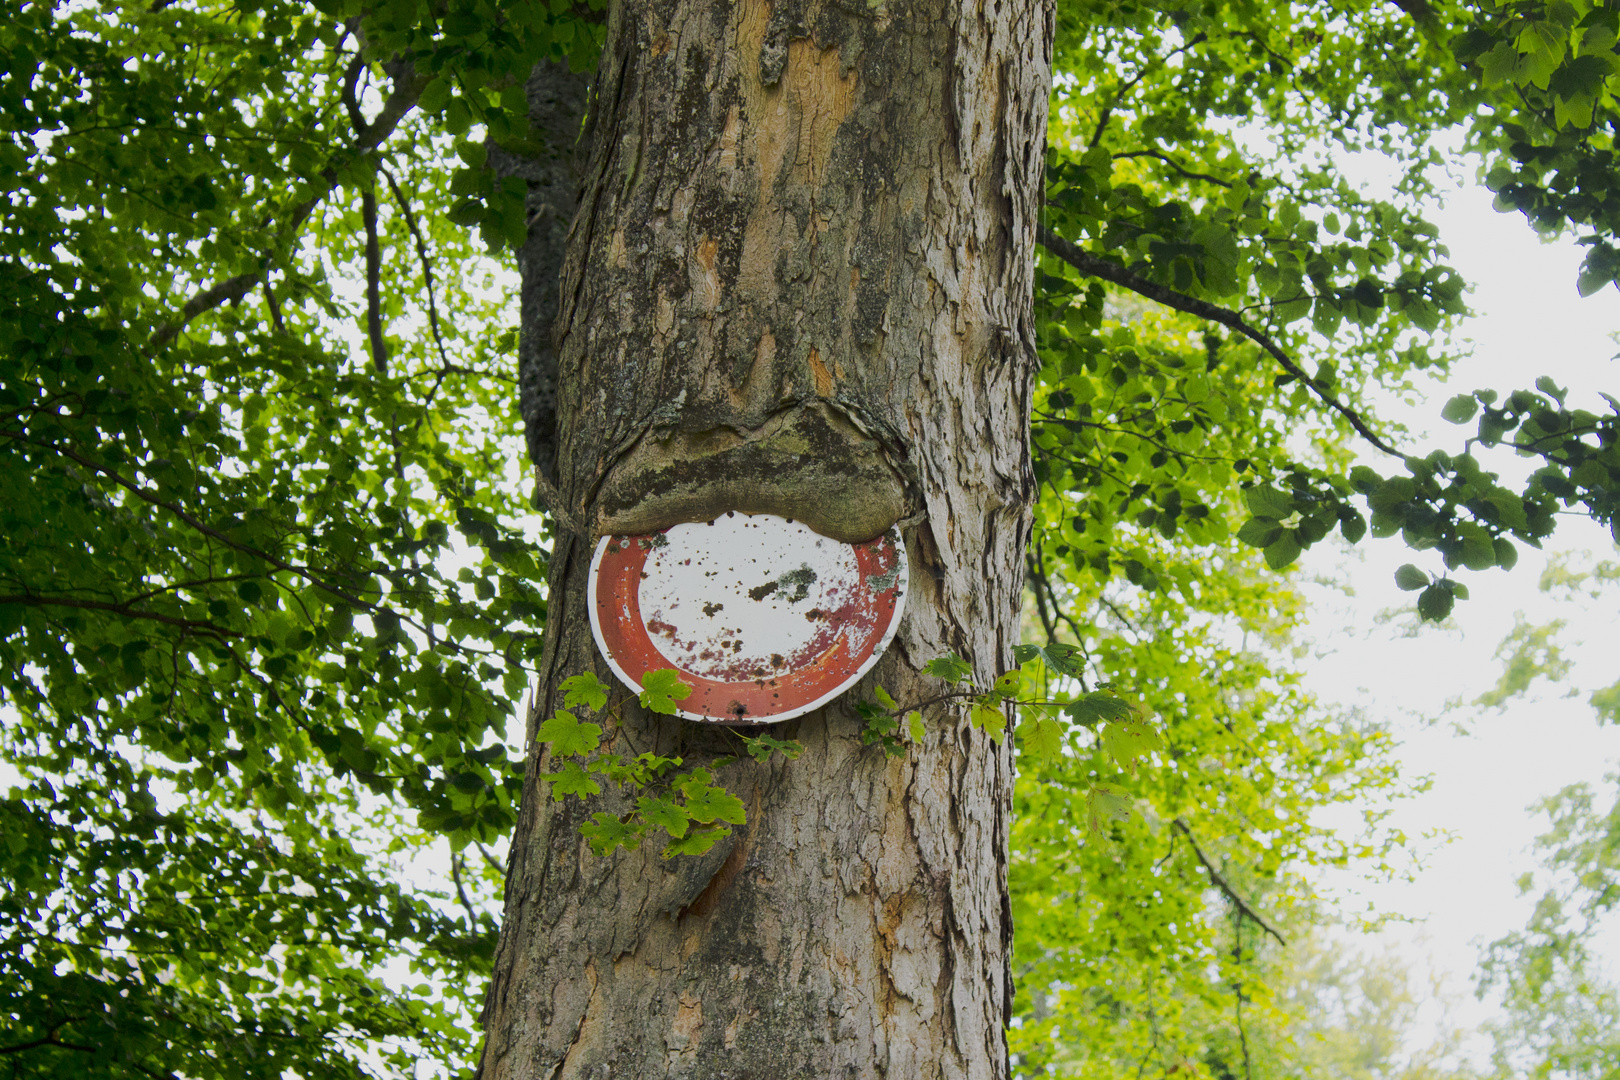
(799, 281)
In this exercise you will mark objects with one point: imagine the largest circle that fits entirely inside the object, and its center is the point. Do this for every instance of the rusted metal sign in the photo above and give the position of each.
(764, 618)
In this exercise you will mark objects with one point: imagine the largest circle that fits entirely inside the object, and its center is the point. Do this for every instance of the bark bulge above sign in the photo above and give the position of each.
(763, 617)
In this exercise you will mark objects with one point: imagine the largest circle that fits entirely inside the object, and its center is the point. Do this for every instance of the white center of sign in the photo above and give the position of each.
(742, 597)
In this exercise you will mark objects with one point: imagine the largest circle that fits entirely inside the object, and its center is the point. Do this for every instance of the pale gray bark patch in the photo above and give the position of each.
(792, 210)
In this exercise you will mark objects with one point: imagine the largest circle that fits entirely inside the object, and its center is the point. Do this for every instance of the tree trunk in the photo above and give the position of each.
(799, 281)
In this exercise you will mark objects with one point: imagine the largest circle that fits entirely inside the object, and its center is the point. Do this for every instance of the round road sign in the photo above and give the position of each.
(764, 618)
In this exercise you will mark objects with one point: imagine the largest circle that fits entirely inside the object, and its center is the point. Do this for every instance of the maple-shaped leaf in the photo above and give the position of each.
(571, 780)
(1106, 803)
(584, 689)
(608, 833)
(705, 802)
(696, 842)
(761, 747)
(951, 668)
(1092, 709)
(1128, 740)
(667, 814)
(1042, 736)
(914, 725)
(991, 719)
(568, 736)
(661, 689)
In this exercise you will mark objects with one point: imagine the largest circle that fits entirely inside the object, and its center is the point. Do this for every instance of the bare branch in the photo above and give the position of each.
(1098, 267)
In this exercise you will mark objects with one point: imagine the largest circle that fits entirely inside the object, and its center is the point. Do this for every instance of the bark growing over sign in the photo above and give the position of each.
(799, 281)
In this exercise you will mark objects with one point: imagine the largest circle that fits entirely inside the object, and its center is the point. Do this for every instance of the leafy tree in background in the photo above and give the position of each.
(1561, 1009)
(268, 603)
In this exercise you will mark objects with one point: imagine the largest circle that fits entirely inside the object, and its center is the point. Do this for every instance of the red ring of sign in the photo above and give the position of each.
(857, 635)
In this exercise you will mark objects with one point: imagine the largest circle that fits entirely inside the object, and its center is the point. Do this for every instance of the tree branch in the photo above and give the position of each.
(213, 534)
(49, 1039)
(1170, 161)
(1221, 884)
(117, 609)
(1098, 267)
(546, 497)
(350, 78)
(408, 87)
(374, 330)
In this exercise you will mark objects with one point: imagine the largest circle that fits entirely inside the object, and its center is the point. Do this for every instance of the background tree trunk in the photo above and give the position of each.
(556, 98)
(799, 281)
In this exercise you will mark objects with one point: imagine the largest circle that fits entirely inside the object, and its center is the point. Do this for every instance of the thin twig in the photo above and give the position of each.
(1108, 110)
(1095, 266)
(1040, 600)
(49, 1039)
(427, 274)
(494, 863)
(1221, 884)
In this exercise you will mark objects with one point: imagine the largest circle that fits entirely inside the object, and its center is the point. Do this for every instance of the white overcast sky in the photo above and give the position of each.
(1529, 321)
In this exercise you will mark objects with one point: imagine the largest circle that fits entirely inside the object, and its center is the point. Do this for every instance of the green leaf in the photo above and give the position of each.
(951, 668)
(914, 725)
(990, 718)
(660, 690)
(607, 833)
(1098, 707)
(571, 780)
(761, 747)
(1409, 578)
(584, 689)
(665, 814)
(1260, 532)
(885, 698)
(1283, 550)
(1059, 657)
(1008, 684)
(705, 802)
(1127, 741)
(1264, 500)
(696, 842)
(1434, 603)
(1106, 803)
(1460, 409)
(568, 736)
(1042, 736)
(1478, 552)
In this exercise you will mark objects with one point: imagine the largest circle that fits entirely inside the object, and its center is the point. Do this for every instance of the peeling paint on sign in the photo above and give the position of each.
(763, 617)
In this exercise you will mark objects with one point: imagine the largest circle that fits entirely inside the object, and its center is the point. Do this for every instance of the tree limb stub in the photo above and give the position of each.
(1098, 267)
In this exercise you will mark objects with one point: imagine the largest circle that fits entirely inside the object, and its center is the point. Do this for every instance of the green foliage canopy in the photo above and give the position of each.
(266, 604)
